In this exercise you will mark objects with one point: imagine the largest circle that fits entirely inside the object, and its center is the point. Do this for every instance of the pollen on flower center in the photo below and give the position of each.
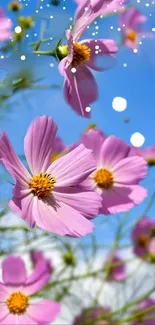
(42, 184)
(104, 178)
(81, 54)
(17, 303)
(143, 240)
(131, 35)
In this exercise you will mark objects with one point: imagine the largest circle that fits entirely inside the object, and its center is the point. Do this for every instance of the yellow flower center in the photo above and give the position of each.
(81, 54)
(17, 303)
(143, 240)
(131, 35)
(42, 184)
(150, 161)
(104, 178)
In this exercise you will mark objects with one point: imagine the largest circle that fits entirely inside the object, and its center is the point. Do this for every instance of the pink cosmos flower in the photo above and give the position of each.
(117, 175)
(148, 317)
(148, 154)
(15, 291)
(80, 88)
(91, 314)
(37, 256)
(143, 236)
(49, 196)
(115, 267)
(5, 27)
(131, 23)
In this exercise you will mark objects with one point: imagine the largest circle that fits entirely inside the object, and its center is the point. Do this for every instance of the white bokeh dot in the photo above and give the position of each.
(119, 104)
(23, 57)
(137, 139)
(73, 70)
(88, 109)
(18, 29)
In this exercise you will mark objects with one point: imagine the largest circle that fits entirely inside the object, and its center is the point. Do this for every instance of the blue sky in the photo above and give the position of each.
(135, 82)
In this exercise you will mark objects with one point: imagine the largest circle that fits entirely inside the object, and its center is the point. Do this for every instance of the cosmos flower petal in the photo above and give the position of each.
(38, 279)
(38, 143)
(132, 18)
(62, 220)
(93, 139)
(122, 199)
(113, 150)
(3, 312)
(130, 170)
(10, 319)
(80, 89)
(86, 202)
(4, 293)
(13, 271)
(11, 161)
(24, 207)
(104, 47)
(44, 311)
(95, 8)
(5, 27)
(73, 168)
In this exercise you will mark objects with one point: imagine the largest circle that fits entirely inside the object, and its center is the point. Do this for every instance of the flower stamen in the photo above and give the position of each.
(17, 303)
(143, 240)
(81, 54)
(42, 184)
(104, 178)
(131, 35)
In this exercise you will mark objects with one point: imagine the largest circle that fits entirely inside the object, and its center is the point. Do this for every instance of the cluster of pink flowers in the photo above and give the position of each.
(97, 176)
(143, 238)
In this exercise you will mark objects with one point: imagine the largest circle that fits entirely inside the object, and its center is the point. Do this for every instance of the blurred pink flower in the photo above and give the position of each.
(5, 27)
(80, 88)
(117, 175)
(131, 23)
(37, 256)
(148, 154)
(115, 267)
(50, 197)
(91, 314)
(143, 238)
(15, 291)
(148, 317)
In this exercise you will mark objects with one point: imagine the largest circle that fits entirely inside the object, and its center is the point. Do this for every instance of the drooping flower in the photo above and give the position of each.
(80, 88)
(37, 256)
(5, 27)
(16, 306)
(143, 238)
(50, 196)
(146, 317)
(117, 176)
(115, 267)
(148, 154)
(99, 315)
(131, 23)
